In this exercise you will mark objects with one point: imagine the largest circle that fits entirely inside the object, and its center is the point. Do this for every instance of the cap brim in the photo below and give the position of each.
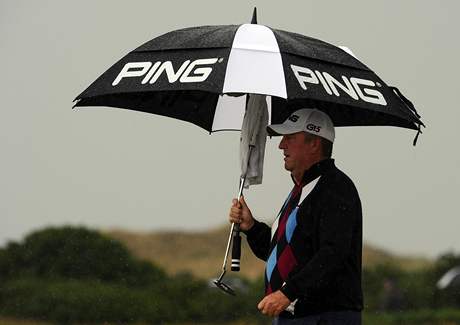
(280, 129)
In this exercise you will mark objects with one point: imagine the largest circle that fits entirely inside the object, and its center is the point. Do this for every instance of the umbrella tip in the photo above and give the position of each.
(254, 16)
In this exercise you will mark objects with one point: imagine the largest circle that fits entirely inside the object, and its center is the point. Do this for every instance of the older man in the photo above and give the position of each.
(313, 249)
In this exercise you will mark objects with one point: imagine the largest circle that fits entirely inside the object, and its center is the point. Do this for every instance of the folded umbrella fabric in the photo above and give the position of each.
(253, 139)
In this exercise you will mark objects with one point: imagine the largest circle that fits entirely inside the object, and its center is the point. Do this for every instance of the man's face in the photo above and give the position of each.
(297, 152)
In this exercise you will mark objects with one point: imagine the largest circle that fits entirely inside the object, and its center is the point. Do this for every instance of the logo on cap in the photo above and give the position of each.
(293, 118)
(312, 127)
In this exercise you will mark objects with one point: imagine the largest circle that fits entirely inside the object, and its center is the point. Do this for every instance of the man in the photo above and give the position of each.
(313, 249)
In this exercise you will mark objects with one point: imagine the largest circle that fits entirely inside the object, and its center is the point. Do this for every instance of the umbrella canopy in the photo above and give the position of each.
(196, 75)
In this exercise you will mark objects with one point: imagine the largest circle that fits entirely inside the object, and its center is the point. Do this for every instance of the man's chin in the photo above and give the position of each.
(287, 167)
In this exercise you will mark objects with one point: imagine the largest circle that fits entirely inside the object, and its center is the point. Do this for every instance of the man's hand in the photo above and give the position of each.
(273, 304)
(240, 214)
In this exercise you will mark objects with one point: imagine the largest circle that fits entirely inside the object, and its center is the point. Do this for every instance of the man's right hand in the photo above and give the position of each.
(240, 214)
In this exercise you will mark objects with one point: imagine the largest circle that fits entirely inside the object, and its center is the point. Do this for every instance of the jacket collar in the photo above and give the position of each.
(316, 170)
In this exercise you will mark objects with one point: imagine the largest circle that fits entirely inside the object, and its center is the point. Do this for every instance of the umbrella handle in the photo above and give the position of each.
(236, 238)
(236, 251)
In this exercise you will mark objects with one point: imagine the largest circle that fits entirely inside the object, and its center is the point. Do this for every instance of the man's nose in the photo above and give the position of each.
(282, 144)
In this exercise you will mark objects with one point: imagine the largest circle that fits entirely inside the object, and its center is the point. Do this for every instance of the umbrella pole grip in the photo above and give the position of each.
(236, 251)
(236, 237)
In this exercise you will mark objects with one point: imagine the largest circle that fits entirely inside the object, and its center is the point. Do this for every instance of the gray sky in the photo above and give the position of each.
(111, 168)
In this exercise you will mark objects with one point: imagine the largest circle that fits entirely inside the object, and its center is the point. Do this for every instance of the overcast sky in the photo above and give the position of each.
(111, 168)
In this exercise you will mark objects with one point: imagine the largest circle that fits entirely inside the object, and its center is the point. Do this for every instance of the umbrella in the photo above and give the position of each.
(186, 73)
(450, 278)
(202, 75)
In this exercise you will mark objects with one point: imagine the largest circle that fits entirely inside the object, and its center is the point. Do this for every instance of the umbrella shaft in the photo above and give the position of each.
(235, 227)
(227, 250)
(242, 181)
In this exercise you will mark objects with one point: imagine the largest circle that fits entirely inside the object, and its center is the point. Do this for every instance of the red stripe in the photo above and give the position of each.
(287, 211)
(286, 262)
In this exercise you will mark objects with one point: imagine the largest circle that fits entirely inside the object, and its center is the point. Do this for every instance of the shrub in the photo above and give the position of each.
(77, 301)
(76, 253)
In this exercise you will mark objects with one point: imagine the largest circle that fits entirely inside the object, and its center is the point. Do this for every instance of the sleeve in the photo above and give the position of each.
(259, 237)
(336, 226)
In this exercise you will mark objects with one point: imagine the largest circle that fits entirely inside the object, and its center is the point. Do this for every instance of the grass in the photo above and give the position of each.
(201, 253)
(15, 321)
(424, 317)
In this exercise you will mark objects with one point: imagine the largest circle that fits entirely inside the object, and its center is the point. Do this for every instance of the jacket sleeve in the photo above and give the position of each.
(259, 237)
(336, 226)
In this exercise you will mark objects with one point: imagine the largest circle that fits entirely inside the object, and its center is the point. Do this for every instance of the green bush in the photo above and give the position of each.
(74, 275)
(72, 301)
(76, 253)
(417, 289)
(414, 317)
(374, 284)
(450, 296)
(79, 301)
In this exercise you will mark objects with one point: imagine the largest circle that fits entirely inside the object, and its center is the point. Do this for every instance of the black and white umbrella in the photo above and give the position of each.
(196, 75)
(203, 75)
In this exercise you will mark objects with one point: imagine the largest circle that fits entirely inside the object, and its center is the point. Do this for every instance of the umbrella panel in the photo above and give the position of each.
(196, 107)
(137, 72)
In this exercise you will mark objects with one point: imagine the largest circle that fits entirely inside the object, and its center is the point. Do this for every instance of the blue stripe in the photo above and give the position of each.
(271, 263)
(291, 224)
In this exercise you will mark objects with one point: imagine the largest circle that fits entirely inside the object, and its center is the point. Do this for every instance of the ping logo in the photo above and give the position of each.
(356, 88)
(293, 118)
(314, 128)
(190, 71)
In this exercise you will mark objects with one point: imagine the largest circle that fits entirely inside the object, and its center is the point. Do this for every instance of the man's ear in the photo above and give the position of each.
(316, 144)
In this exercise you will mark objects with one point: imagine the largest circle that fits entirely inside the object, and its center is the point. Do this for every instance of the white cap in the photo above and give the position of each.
(309, 120)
